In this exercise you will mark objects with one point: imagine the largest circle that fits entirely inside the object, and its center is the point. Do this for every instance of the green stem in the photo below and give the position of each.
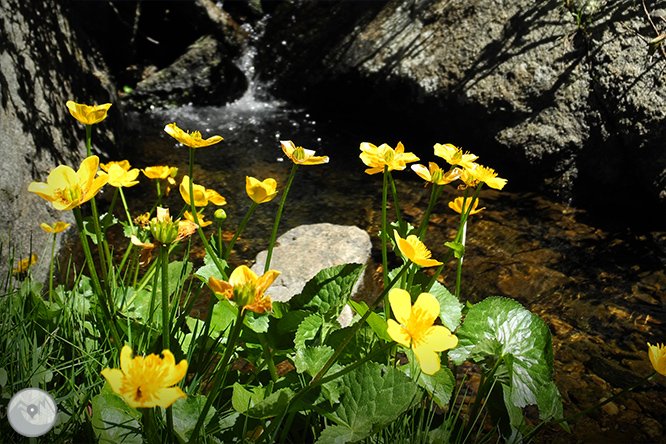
(268, 356)
(149, 426)
(195, 217)
(395, 195)
(239, 230)
(434, 196)
(88, 140)
(278, 215)
(127, 213)
(97, 288)
(219, 376)
(51, 268)
(384, 235)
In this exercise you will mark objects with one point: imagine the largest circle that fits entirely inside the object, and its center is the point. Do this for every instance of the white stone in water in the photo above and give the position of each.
(302, 252)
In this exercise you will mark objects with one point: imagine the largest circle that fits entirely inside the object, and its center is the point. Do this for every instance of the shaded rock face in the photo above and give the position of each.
(43, 63)
(204, 75)
(576, 110)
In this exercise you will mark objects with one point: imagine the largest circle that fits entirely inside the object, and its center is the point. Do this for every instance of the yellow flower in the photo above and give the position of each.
(435, 174)
(146, 249)
(88, 115)
(162, 172)
(414, 250)
(457, 205)
(118, 176)
(66, 188)
(378, 157)
(260, 192)
(201, 195)
(25, 264)
(487, 176)
(300, 155)
(147, 381)
(657, 355)
(193, 140)
(124, 164)
(454, 155)
(245, 288)
(57, 227)
(200, 216)
(415, 328)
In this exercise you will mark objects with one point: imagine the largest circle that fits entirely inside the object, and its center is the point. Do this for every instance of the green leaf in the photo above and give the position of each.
(307, 330)
(105, 221)
(439, 386)
(186, 412)
(224, 315)
(210, 269)
(359, 346)
(328, 290)
(242, 399)
(526, 345)
(114, 421)
(372, 397)
(273, 405)
(3, 377)
(549, 401)
(449, 306)
(375, 321)
(312, 359)
(458, 249)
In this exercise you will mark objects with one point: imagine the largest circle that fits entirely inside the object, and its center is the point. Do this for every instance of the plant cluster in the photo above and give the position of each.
(126, 361)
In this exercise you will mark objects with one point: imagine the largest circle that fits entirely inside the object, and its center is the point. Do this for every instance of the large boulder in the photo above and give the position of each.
(43, 64)
(557, 96)
(302, 252)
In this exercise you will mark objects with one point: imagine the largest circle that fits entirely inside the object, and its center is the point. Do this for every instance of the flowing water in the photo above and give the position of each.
(601, 292)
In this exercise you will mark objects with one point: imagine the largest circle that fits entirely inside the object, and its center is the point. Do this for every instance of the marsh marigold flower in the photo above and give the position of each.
(377, 157)
(488, 176)
(147, 381)
(66, 188)
(162, 172)
(200, 217)
(457, 205)
(86, 114)
(300, 155)
(245, 288)
(657, 355)
(415, 328)
(434, 174)
(57, 227)
(193, 140)
(119, 176)
(124, 164)
(201, 195)
(260, 192)
(454, 155)
(415, 250)
(25, 264)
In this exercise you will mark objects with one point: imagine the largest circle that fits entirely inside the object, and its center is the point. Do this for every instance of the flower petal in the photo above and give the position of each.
(241, 275)
(172, 373)
(426, 309)
(164, 397)
(438, 338)
(428, 360)
(265, 281)
(114, 378)
(398, 333)
(125, 358)
(401, 305)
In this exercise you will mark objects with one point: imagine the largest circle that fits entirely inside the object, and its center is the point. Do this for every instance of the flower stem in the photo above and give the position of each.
(195, 217)
(384, 233)
(219, 376)
(97, 288)
(127, 213)
(395, 195)
(434, 196)
(51, 268)
(268, 356)
(278, 215)
(238, 231)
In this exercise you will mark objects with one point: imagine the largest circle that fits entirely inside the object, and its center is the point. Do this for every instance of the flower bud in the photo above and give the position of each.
(244, 294)
(220, 215)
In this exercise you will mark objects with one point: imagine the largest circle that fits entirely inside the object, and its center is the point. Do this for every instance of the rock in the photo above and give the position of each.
(302, 252)
(204, 75)
(551, 102)
(44, 62)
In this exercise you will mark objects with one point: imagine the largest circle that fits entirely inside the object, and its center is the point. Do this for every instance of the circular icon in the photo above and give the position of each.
(32, 412)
